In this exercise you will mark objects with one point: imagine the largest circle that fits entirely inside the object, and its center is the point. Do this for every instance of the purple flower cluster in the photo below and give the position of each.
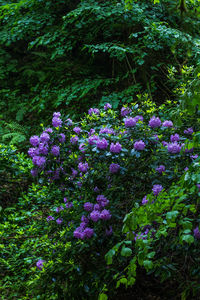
(56, 121)
(83, 167)
(102, 144)
(154, 122)
(93, 111)
(55, 150)
(77, 130)
(160, 169)
(144, 200)
(174, 148)
(114, 168)
(167, 123)
(125, 111)
(157, 188)
(189, 131)
(74, 140)
(115, 148)
(175, 138)
(39, 264)
(139, 145)
(107, 106)
(130, 122)
(96, 212)
(106, 130)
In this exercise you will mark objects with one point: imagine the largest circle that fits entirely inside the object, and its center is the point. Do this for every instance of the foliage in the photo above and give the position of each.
(67, 55)
(60, 231)
(162, 237)
(14, 173)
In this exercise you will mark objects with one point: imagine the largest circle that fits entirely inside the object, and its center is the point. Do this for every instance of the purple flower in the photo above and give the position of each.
(197, 233)
(105, 215)
(56, 122)
(93, 111)
(107, 106)
(102, 144)
(125, 111)
(189, 150)
(93, 139)
(189, 131)
(33, 152)
(115, 148)
(88, 232)
(96, 207)
(129, 122)
(45, 137)
(34, 172)
(74, 140)
(61, 138)
(194, 156)
(82, 147)
(78, 233)
(175, 138)
(83, 167)
(88, 206)
(39, 264)
(74, 172)
(65, 200)
(96, 189)
(57, 114)
(198, 185)
(43, 148)
(68, 122)
(77, 130)
(55, 150)
(137, 118)
(154, 122)
(109, 231)
(139, 145)
(144, 200)
(114, 168)
(102, 200)
(186, 169)
(164, 143)
(84, 219)
(95, 215)
(92, 131)
(58, 209)
(160, 169)
(39, 161)
(106, 130)
(50, 218)
(48, 130)
(174, 147)
(34, 140)
(69, 205)
(59, 221)
(167, 123)
(157, 188)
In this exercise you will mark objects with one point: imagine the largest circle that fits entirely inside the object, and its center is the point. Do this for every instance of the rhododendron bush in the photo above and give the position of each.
(102, 167)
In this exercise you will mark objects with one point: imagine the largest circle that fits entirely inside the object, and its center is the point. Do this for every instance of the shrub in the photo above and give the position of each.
(101, 166)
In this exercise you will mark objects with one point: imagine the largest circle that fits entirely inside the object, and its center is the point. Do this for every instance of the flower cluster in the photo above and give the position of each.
(96, 212)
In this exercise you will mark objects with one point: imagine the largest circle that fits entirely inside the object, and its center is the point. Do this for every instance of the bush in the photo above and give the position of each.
(162, 237)
(14, 174)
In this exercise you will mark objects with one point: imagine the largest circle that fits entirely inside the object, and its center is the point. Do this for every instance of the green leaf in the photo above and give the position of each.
(126, 251)
(103, 297)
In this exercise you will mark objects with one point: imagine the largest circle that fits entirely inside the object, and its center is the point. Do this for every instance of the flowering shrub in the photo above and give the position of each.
(102, 166)
(162, 235)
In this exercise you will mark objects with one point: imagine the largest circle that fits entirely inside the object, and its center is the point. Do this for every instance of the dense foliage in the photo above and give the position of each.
(90, 174)
(103, 203)
(70, 54)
